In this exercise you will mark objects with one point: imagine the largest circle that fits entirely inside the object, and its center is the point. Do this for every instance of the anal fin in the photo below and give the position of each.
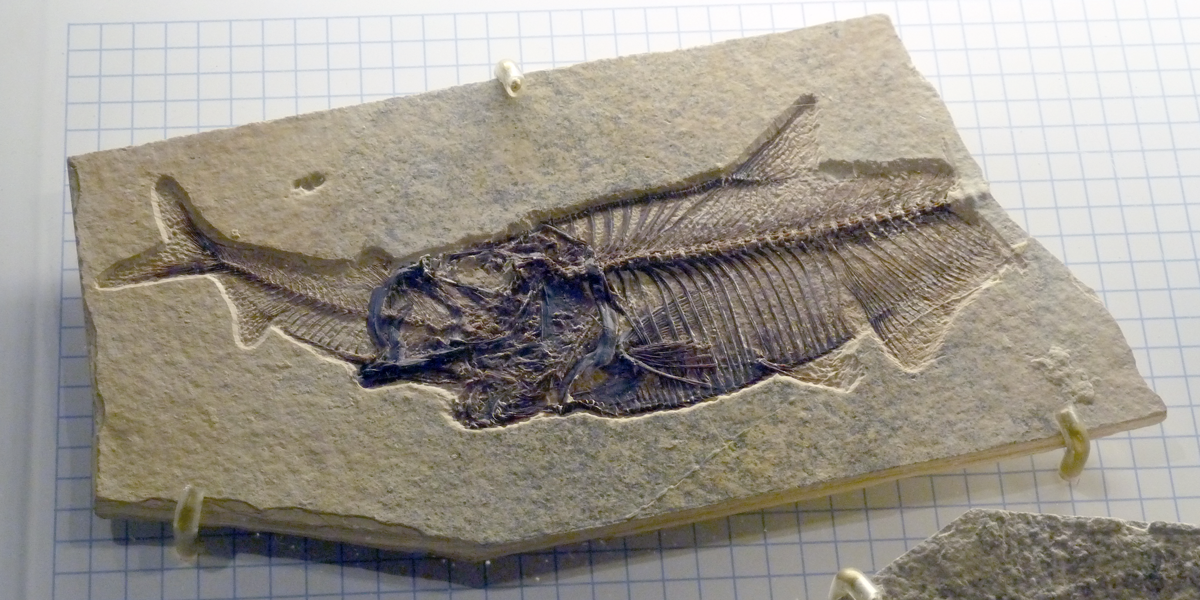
(911, 278)
(839, 370)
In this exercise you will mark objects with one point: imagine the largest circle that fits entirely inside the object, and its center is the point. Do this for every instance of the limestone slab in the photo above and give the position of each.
(1000, 554)
(284, 438)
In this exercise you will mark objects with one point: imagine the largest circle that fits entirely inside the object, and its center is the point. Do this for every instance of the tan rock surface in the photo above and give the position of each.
(285, 440)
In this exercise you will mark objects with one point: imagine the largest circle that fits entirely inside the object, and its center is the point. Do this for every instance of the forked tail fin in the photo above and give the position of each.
(185, 250)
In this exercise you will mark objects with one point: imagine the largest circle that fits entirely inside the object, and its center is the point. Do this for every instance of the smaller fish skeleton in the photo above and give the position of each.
(646, 302)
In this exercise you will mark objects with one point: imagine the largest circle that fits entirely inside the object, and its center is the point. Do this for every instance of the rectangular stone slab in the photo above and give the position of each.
(284, 439)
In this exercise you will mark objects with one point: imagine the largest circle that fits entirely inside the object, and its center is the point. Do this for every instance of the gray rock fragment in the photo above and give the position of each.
(1021, 556)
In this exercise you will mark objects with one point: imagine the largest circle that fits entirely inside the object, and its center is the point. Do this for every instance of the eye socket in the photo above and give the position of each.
(477, 270)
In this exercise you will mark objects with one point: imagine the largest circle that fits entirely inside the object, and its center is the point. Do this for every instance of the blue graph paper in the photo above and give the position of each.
(1084, 117)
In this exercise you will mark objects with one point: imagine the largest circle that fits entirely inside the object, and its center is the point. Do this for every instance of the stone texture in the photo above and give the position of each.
(284, 440)
(999, 554)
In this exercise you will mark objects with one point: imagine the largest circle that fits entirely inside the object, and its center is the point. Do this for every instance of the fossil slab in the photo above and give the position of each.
(649, 290)
(999, 554)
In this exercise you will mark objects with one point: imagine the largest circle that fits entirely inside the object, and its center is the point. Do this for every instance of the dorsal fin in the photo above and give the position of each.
(787, 149)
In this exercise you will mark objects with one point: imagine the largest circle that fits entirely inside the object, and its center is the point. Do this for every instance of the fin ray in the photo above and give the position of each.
(183, 250)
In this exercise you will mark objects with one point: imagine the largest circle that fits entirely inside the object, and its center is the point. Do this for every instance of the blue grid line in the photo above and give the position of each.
(741, 31)
(552, 63)
(1095, 241)
(1088, 21)
(1195, 419)
(1170, 297)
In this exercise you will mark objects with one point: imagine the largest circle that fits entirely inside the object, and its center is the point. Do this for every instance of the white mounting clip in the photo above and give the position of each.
(187, 521)
(852, 583)
(510, 77)
(1075, 436)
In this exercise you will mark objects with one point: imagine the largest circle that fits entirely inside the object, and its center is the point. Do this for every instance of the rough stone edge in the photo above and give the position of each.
(977, 516)
(364, 531)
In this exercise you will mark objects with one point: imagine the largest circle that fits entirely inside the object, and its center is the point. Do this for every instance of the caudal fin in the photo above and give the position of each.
(184, 249)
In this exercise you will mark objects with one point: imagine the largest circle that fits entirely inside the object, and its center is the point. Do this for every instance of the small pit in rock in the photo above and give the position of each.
(309, 182)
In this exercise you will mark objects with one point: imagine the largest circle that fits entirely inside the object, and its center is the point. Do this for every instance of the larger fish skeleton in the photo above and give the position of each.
(646, 302)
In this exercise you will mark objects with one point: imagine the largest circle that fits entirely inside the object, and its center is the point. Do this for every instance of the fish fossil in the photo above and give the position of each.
(640, 303)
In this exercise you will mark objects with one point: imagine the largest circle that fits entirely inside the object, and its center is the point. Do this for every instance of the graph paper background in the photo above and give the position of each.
(1084, 117)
